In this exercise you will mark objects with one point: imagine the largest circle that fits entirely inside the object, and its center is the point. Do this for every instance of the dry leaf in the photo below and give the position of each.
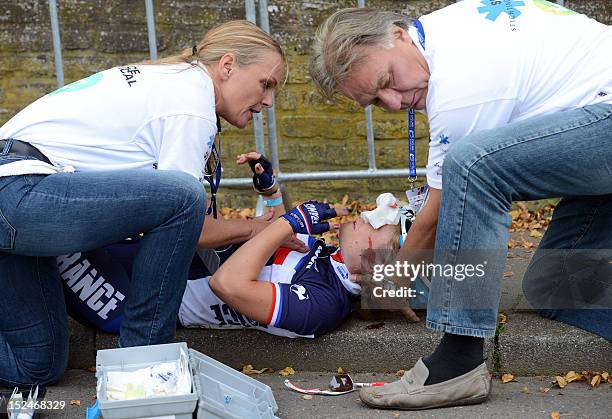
(307, 397)
(596, 381)
(544, 389)
(75, 402)
(560, 381)
(573, 376)
(506, 378)
(508, 274)
(605, 375)
(286, 371)
(400, 373)
(340, 369)
(525, 390)
(502, 319)
(249, 370)
(535, 233)
(555, 415)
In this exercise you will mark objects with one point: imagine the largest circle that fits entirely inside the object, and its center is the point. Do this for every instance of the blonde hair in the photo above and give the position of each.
(243, 38)
(334, 53)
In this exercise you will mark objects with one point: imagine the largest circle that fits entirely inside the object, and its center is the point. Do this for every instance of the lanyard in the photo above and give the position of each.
(214, 183)
(411, 125)
(411, 147)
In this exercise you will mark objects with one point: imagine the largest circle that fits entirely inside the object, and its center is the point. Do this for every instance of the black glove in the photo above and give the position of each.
(264, 183)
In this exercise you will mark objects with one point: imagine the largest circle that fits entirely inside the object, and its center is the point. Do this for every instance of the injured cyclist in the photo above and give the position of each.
(260, 284)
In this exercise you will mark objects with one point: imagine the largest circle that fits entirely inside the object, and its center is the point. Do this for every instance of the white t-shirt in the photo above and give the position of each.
(130, 117)
(497, 61)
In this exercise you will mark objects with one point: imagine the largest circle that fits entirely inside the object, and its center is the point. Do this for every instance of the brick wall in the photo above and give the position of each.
(313, 134)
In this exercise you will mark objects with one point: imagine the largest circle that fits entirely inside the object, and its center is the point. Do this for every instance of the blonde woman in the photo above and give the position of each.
(121, 152)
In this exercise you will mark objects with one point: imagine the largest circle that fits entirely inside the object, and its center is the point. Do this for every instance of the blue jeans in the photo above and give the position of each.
(42, 217)
(567, 155)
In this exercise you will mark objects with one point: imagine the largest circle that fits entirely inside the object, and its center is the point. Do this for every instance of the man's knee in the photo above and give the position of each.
(463, 157)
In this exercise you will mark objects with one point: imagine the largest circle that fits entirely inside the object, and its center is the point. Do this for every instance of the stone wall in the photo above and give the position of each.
(313, 134)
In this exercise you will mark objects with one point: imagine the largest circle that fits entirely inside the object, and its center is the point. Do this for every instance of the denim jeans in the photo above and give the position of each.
(567, 155)
(42, 217)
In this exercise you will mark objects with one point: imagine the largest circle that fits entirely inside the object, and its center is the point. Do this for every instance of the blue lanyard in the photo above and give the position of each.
(214, 183)
(411, 145)
(411, 125)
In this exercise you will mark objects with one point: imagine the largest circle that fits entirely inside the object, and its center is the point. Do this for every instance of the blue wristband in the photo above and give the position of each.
(273, 202)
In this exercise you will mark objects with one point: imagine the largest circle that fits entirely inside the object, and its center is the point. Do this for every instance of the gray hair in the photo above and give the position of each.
(334, 45)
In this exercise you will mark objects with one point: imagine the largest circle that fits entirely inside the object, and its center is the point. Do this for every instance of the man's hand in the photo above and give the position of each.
(406, 311)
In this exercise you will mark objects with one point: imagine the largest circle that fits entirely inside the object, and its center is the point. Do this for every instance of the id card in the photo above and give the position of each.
(417, 197)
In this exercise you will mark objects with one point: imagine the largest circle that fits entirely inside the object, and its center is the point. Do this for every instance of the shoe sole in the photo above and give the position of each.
(465, 402)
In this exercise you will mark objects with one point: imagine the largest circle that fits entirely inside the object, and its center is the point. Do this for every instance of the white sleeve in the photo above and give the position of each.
(448, 127)
(184, 142)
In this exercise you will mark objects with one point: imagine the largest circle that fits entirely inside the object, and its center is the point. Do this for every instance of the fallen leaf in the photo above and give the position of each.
(605, 375)
(573, 376)
(340, 369)
(555, 415)
(506, 378)
(502, 319)
(400, 373)
(560, 381)
(544, 389)
(307, 397)
(508, 274)
(75, 402)
(525, 390)
(596, 381)
(249, 370)
(286, 371)
(375, 325)
(535, 233)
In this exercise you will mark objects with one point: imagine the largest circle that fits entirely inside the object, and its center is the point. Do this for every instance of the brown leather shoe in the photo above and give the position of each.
(409, 393)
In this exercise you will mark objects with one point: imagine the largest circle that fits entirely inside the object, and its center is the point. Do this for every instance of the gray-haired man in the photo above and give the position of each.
(519, 101)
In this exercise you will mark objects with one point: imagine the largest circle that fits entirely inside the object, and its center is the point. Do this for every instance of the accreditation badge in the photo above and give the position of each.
(417, 197)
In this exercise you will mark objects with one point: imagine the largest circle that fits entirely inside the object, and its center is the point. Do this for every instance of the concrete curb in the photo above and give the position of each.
(530, 345)
(533, 345)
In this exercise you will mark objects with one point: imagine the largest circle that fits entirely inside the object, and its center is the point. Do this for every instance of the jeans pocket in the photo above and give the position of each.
(7, 234)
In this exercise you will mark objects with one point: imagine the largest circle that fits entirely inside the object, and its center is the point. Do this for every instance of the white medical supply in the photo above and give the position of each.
(387, 211)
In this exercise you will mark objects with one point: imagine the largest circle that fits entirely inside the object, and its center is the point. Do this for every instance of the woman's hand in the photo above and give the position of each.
(260, 223)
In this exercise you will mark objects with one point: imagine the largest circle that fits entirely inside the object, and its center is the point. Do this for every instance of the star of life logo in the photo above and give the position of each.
(443, 139)
(494, 8)
(300, 291)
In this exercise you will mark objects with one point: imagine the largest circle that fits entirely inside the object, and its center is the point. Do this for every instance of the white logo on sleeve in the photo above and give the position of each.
(300, 291)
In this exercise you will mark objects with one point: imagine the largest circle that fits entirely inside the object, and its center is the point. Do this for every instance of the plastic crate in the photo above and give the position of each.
(227, 393)
(218, 390)
(131, 359)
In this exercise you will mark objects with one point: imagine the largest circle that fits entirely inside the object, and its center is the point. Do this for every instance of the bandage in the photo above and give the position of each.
(389, 211)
